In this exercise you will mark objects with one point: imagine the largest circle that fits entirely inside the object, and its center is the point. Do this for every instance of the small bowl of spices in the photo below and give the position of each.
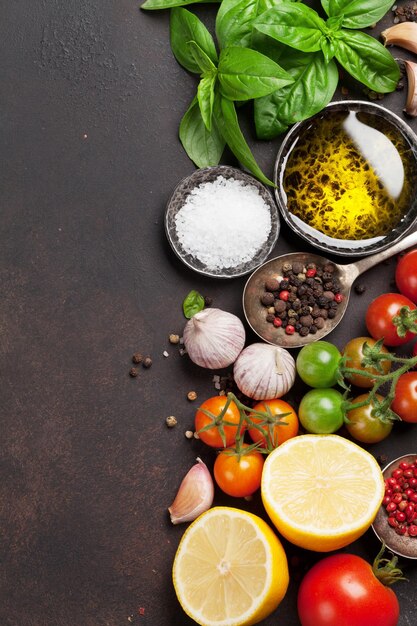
(222, 222)
(346, 178)
(396, 520)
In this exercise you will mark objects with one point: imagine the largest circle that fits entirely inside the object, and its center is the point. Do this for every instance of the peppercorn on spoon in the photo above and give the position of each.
(255, 311)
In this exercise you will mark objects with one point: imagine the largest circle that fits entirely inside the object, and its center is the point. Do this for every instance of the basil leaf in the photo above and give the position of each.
(192, 304)
(186, 27)
(234, 21)
(294, 24)
(269, 47)
(328, 49)
(205, 97)
(152, 5)
(226, 118)
(315, 82)
(204, 147)
(357, 13)
(201, 58)
(245, 74)
(367, 60)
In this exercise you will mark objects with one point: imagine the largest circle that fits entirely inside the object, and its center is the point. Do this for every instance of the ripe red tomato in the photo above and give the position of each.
(212, 436)
(238, 475)
(405, 400)
(379, 318)
(278, 433)
(406, 275)
(353, 353)
(343, 590)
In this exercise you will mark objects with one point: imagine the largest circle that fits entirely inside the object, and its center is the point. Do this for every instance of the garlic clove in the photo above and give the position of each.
(195, 494)
(403, 35)
(411, 103)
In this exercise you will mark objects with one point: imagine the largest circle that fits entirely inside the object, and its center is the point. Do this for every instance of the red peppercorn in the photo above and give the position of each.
(284, 295)
(392, 521)
(413, 497)
(277, 322)
(391, 507)
(401, 529)
(311, 273)
(403, 465)
(338, 297)
(400, 516)
(397, 473)
(289, 329)
(386, 500)
(412, 530)
(413, 482)
(397, 497)
(392, 482)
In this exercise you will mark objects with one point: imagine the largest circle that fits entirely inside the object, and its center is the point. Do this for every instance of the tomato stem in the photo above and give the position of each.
(386, 570)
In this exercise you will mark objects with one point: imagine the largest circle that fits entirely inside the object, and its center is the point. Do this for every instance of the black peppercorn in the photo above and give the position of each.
(133, 372)
(147, 362)
(137, 358)
(360, 289)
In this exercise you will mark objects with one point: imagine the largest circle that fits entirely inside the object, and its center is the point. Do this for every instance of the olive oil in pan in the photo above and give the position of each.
(350, 176)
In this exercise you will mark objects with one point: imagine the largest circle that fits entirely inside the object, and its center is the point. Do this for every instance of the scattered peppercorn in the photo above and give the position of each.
(174, 339)
(133, 372)
(191, 395)
(360, 289)
(208, 301)
(189, 434)
(171, 421)
(137, 358)
(147, 362)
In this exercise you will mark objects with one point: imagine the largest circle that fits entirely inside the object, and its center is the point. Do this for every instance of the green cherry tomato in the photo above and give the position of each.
(320, 411)
(365, 427)
(317, 364)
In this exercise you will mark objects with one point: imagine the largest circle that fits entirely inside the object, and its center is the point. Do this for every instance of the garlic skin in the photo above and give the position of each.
(214, 338)
(195, 494)
(411, 103)
(403, 35)
(264, 372)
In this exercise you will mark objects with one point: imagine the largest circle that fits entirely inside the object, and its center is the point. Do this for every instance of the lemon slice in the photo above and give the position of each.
(230, 569)
(321, 491)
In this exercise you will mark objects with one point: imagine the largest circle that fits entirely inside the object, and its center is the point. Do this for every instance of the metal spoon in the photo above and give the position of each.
(255, 312)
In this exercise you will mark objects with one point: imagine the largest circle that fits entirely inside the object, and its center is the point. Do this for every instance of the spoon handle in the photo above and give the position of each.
(365, 264)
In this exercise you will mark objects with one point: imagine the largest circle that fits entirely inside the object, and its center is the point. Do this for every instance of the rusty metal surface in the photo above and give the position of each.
(91, 98)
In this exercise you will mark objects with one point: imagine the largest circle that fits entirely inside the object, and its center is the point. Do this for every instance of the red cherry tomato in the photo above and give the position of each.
(238, 475)
(380, 315)
(406, 275)
(342, 590)
(274, 432)
(212, 436)
(405, 400)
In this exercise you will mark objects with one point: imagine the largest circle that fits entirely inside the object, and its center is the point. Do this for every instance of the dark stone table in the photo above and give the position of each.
(91, 98)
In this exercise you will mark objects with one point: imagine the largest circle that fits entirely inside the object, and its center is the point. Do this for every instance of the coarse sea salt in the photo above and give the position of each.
(223, 223)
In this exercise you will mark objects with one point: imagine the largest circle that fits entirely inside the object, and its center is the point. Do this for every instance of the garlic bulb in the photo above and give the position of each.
(214, 338)
(264, 372)
(403, 35)
(411, 104)
(194, 496)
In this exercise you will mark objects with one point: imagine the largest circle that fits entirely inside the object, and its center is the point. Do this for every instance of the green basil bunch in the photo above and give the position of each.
(279, 53)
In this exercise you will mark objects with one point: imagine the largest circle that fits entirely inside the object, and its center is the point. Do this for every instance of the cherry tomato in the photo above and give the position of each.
(277, 433)
(212, 436)
(353, 351)
(405, 400)
(320, 411)
(342, 590)
(365, 427)
(317, 364)
(406, 275)
(238, 475)
(380, 315)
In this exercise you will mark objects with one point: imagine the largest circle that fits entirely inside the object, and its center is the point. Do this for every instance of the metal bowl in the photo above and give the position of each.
(399, 544)
(346, 247)
(177, 200)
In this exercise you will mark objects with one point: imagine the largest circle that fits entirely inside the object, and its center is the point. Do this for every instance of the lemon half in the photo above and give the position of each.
(321, 491)
(230, 569)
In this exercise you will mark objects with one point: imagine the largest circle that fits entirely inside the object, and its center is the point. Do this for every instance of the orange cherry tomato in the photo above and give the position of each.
(213, 435)
(238, 475)
(278, 433)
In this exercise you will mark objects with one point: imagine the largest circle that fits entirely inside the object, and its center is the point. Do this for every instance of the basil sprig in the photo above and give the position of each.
(193, 303)
(280, 53)
(236, 74)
